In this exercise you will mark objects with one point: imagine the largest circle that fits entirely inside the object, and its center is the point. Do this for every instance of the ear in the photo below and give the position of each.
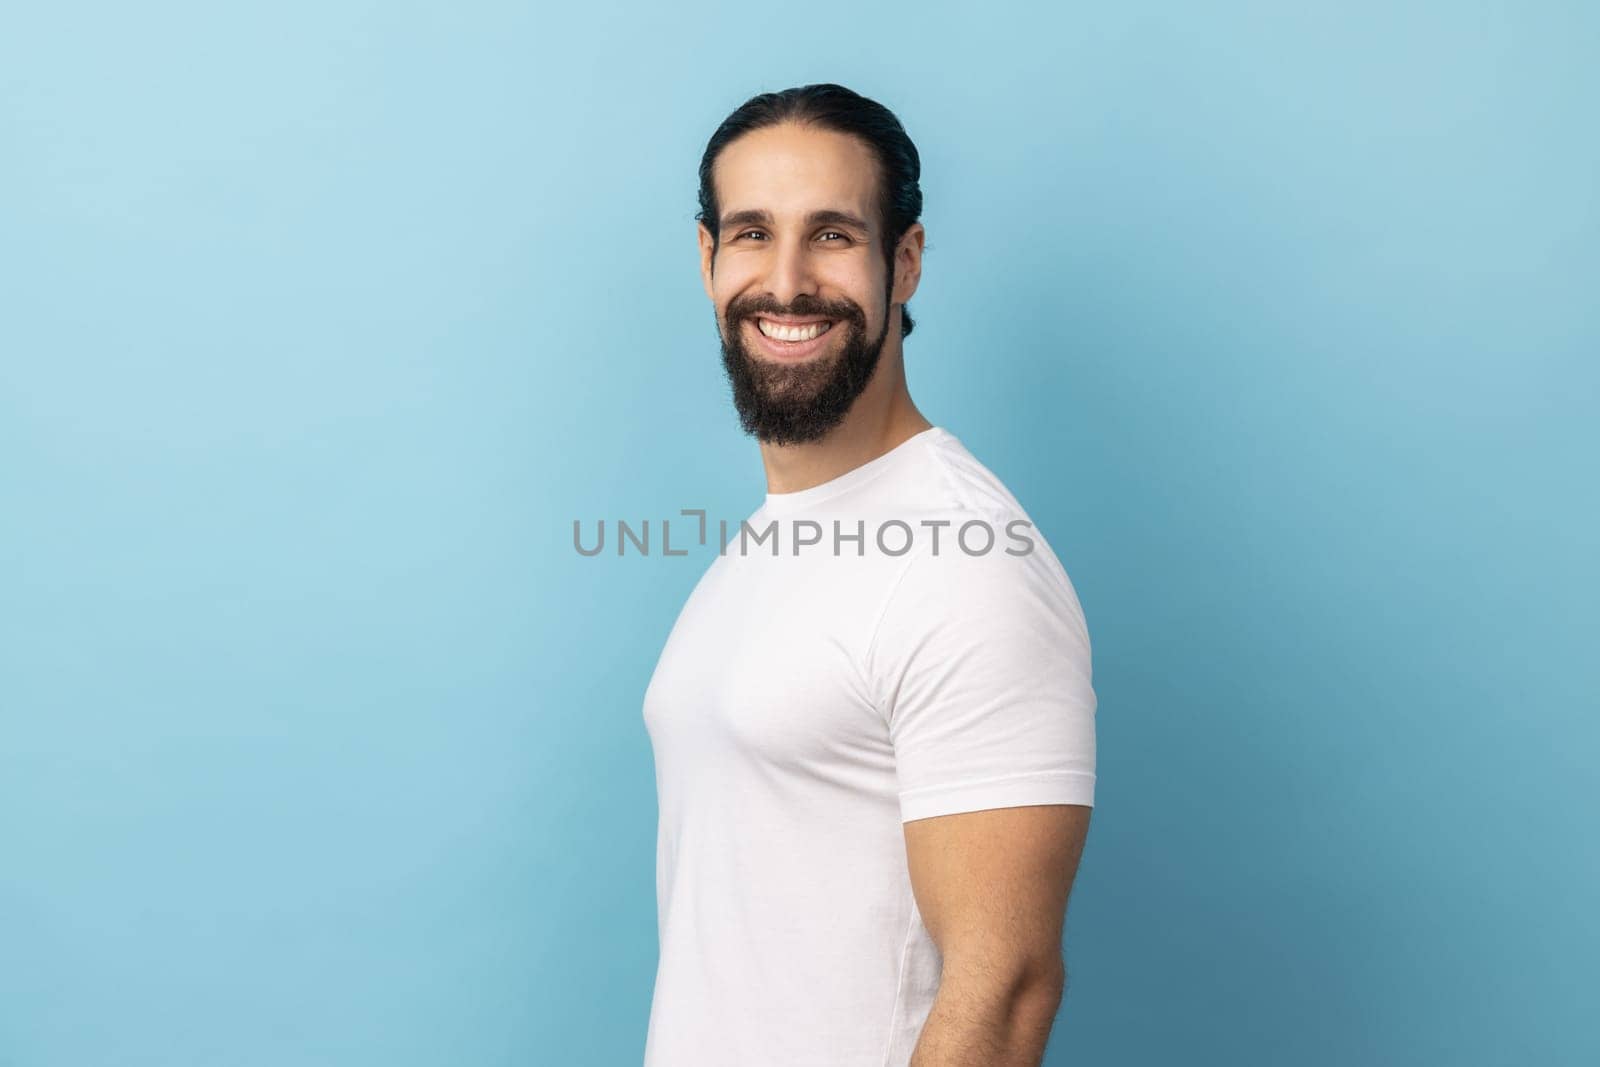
(908, 263)
(707, 256)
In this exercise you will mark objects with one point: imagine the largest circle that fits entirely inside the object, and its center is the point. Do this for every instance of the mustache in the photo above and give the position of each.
(801, 308)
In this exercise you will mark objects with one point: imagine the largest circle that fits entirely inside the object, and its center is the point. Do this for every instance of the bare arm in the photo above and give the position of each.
(992, 887)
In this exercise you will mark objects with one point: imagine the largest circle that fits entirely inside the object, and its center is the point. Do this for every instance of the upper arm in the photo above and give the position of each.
(983, 669)
(992, 888)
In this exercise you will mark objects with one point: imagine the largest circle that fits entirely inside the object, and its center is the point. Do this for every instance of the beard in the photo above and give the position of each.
(793, 403)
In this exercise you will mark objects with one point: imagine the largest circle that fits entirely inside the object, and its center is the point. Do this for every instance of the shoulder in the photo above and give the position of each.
(977, 567)
(961, 616)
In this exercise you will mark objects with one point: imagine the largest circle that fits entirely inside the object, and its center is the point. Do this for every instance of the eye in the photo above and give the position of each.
(757, 233)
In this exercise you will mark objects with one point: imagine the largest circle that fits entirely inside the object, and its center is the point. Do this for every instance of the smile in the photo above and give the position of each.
(782, 332)
(790, 343)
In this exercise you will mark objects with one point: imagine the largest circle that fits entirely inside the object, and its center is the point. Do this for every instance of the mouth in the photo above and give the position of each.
(785, 340)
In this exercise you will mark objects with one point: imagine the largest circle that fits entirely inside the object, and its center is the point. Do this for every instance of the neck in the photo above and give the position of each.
(882, 417)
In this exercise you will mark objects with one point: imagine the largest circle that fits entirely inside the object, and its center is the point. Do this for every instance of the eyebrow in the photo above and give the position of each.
(758, 217)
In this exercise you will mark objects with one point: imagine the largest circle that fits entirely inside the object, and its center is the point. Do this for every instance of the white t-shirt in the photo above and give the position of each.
(818, 690)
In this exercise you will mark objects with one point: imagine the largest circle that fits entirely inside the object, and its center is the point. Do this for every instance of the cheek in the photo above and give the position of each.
(866, 284)
(730, 284)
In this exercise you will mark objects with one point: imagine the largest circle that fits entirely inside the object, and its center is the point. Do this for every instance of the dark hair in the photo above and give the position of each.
(832, 107)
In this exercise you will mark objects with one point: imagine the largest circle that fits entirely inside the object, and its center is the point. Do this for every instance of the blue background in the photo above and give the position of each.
(319, 743)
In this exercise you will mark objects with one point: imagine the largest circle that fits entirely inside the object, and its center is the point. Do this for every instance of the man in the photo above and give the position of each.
(873, 731)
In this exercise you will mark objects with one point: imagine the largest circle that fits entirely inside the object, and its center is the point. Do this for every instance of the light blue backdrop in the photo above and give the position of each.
(320, 323)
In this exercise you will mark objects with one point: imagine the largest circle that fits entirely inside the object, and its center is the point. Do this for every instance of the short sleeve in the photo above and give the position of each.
(981, 666)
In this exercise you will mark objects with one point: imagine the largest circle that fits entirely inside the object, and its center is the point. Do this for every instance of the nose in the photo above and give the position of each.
(791, 272)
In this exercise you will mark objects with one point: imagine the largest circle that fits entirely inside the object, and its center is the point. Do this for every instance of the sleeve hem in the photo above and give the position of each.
(1052, 787)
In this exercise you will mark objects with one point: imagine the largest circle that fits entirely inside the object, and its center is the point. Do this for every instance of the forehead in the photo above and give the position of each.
(791, 170)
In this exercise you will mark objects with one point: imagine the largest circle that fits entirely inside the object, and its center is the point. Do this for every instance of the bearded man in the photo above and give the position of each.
(875, 760)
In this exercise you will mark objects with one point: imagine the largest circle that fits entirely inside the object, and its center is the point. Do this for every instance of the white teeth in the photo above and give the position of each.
(779, 332)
